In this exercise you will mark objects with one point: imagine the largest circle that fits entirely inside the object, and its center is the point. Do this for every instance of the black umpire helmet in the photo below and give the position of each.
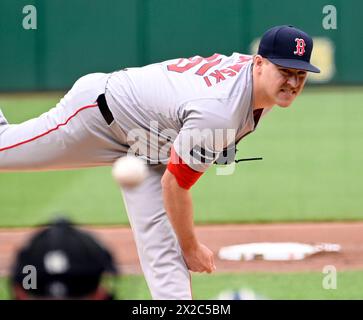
(69, 264)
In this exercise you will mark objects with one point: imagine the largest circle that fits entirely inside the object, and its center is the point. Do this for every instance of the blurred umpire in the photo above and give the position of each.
(68, 263)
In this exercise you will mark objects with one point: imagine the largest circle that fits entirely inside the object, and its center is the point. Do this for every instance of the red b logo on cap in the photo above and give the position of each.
(300, 47)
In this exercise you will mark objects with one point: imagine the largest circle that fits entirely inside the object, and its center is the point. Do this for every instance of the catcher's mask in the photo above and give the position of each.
(67, 263)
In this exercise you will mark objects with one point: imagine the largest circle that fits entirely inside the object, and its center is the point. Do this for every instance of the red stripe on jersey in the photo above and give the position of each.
(184, 175)
(49, 131)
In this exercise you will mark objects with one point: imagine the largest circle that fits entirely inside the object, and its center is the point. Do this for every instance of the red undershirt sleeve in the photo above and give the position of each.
(184, 175)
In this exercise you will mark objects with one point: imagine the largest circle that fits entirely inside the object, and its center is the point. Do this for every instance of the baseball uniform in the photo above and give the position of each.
(197, 107)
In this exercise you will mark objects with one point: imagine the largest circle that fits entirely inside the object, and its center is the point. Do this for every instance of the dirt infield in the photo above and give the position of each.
(121, 243)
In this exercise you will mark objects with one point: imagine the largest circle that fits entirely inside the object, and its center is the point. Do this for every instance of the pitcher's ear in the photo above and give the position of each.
(258, 60)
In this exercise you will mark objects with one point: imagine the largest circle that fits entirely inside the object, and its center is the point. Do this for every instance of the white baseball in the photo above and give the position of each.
(129, 171)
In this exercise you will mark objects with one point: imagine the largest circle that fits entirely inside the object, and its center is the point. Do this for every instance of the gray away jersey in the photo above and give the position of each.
(198, 105)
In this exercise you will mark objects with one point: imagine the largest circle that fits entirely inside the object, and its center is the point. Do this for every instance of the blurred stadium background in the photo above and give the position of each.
(312, 152)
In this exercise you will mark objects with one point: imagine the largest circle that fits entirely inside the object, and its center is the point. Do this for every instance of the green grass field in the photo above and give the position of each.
(311, 170)
(269, 285)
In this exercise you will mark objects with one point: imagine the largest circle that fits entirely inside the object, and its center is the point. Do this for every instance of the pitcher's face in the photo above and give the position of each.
(282, 85)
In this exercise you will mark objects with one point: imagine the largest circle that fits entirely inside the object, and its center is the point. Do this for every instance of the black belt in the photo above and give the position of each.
(105, 110)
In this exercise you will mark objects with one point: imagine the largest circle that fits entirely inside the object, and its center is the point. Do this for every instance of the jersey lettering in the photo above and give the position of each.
(206, 79)
(185, 64)
(205, 67)
(218, 76)
(215, 77)
(229, 73)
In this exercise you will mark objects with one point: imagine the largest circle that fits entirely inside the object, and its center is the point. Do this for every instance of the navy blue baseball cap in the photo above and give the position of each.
(288, 47)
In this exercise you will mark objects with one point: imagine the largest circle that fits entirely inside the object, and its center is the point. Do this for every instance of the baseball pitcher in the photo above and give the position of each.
(181, 116)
